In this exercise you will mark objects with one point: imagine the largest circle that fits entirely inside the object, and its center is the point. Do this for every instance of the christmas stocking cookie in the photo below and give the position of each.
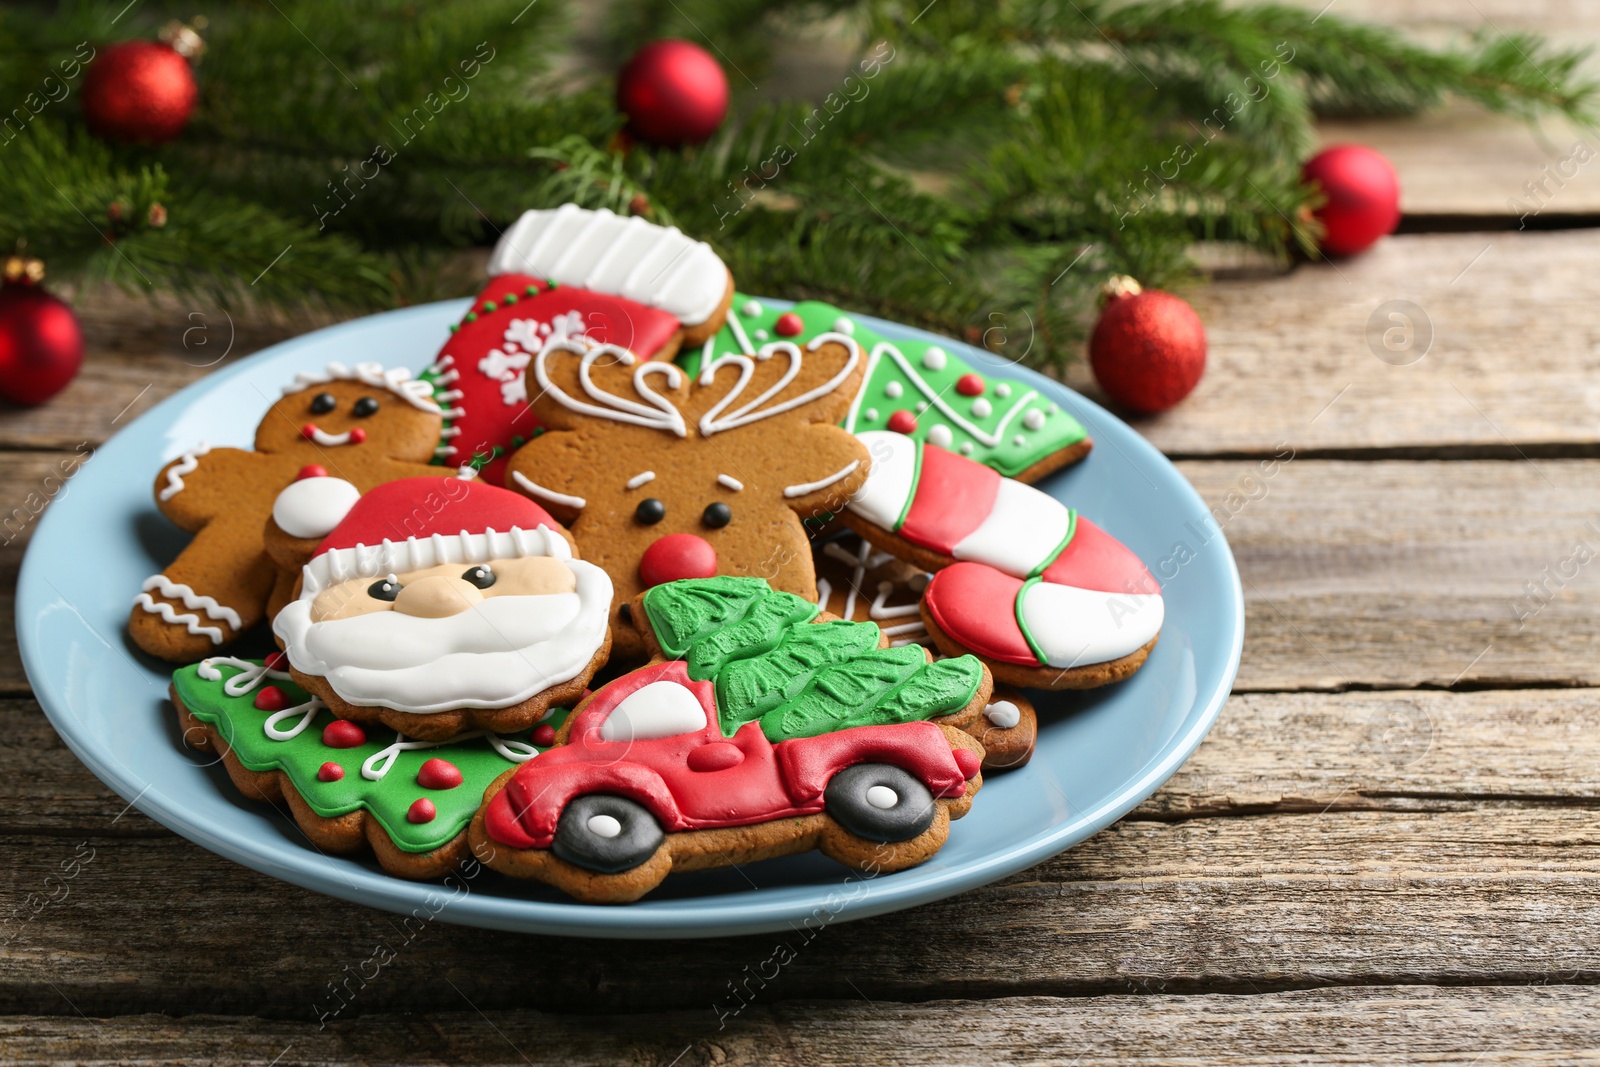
(569, 273)
(362, 424)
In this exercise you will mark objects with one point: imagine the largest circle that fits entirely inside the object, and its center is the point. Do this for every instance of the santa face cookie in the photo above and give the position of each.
(437, 605)
(576, 274)
(1043, 596)
(349, 789)
(663, 477)
(362, 424)
(768, 733)
(920, 389)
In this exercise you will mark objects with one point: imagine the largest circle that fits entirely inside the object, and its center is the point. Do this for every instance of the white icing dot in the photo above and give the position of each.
(1019, 440)
(844, 325)
(934, 358)
(1003, 714)
(940, 435)
(1002, 390)
(1053, 409)
(871, 414)
(922, 405)
(604, 826)
(761, 335)
(751, 309)
(893, 390)
(1033, 419)
(882, 797)
(966, 448)
(981, 408)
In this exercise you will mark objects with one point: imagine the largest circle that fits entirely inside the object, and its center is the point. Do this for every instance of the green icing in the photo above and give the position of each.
(1022, 624)
(768, 662)
(917, 382)
(240, 722)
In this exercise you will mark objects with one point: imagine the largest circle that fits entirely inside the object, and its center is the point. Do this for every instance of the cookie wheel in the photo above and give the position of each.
(880, 802)
(606, 834)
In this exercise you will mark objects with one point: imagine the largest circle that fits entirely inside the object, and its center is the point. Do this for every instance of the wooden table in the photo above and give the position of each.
(1386, 851)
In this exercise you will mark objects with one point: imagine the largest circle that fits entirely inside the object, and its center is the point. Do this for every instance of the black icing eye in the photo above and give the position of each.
(365, 406)
(650, 511)
(480, 576)
(383, 589)
(323, 403)
(717, 515)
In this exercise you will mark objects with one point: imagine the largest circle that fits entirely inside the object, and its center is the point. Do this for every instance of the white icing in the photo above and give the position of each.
(326, 439)
(881, 796)
(732, 483)
(1002, 390)
(1004, 714)
(713, 421)
(922, 405)
(1021, 532)
(751, 309)
(792, 491)
(844, 325)
(250, 674)
(312, 507)
(375, 561)
(398, 380)
(981, 408)
(548, 494)
(881, 611)
(966, 448)
(377, 765)
(1019, 440)
(642, 478)
(935, 358)
(172, 617)
(191, 600)
(523, 337)
(605, 826)
(871, 414)
(1074, 627)
(656, 412)
(891, 479)
(1034, 419)
(628, 257)
(936, 398)
(301, 713)
(762, 335)
(187, 463)
(940, 435)
(893, 390)
(657, 710)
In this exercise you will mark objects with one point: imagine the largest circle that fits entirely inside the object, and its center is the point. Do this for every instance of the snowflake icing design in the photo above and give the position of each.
(524, 337)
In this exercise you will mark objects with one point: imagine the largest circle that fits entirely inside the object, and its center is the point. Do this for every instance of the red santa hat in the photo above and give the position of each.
(411, 524)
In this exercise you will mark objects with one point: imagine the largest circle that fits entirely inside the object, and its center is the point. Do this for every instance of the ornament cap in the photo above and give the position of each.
(1118, 286)
(184, 38)
(20, 270)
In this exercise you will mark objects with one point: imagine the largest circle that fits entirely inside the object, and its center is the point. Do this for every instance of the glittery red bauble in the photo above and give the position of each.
(1148, 350)
(1363, 194)
(41, 346)
(673, 92)
(140, 91)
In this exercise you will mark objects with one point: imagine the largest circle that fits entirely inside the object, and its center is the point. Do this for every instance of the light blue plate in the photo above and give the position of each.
(1099, 753)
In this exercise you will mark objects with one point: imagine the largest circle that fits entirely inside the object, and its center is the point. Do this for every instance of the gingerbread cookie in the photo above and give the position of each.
(364, 424)
(571, 273)
(769, 733)
(918, 388)
(1008, 730)
(1043, 596)
(437, 605)
(409, 801)
(662, 477)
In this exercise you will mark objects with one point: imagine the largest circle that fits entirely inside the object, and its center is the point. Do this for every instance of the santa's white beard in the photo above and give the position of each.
(498, 653)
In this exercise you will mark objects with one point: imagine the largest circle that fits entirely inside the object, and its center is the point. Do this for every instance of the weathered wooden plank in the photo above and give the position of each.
(1486, 1027)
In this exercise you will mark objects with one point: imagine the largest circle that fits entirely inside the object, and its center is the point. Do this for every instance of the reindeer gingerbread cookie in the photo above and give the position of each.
(663, 477)
(363, 424)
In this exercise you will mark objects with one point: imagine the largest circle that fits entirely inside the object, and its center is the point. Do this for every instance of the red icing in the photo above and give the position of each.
(971, 385)
(1093, 559)
(438, 774)
(311, 470)
(788, 325)
(976, 605)
(308, 431)
(277, 661)
(902, 422)
(271, 698)
(422, 507)
(341, 733)
(954, 495)
(487, 420)
(676, 556)
(544, 735)
(968, 761)
(330, 772)
(702, 780)
(422, 810)
(357, 435)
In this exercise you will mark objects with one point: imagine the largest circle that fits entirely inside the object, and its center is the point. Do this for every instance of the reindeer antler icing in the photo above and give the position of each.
(657, 413)
(713, 420)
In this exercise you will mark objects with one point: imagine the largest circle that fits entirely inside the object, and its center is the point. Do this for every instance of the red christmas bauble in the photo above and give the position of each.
(138, 91)
(1148, 350)
(41, 345)
(673, 92)
(1363, 194)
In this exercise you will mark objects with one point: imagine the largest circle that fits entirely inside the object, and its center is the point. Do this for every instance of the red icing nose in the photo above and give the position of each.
(676, 556)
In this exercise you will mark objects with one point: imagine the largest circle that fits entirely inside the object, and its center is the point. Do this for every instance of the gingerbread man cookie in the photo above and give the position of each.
(363, 424)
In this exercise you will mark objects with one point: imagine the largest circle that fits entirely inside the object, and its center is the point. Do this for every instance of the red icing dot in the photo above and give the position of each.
(277, 661)
(788, 325)
(309, 431)
(968, 762)
(357, 435)
(421, 811)
(970, 385)
(544, 735)
(675, 556)
(311, 470)
(271, 698)
(902, 422)
(438, 774)
(330, 772)
(341, 733)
